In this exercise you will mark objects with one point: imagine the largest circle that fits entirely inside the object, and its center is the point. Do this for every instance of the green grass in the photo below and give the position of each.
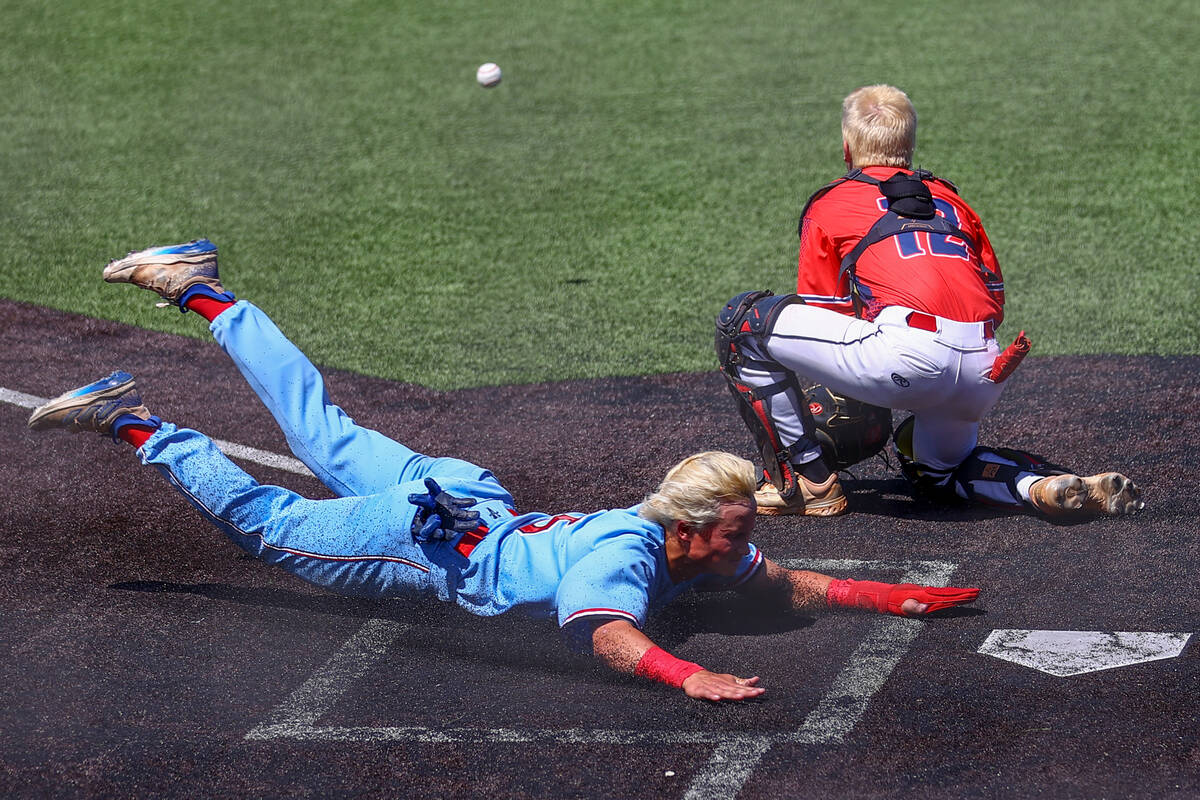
(641, 163)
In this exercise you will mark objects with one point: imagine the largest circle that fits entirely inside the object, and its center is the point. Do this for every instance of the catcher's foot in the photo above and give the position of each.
(169, 271)
(1065, 496)
(95, 407)
(825, 499)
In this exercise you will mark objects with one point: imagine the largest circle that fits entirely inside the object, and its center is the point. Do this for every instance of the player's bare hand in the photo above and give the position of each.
(914, 608)
(705, 685)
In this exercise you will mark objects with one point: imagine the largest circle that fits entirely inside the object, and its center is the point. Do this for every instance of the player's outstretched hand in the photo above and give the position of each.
(902, 599)
(705, 685)
(911, 600)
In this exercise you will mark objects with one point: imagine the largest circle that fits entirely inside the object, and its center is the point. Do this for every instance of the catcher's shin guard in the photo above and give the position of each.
(742, 328)
(990, 474)
(987, 475)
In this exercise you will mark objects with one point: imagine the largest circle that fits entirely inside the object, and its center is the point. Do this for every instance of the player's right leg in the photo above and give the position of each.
(353, 545)
(928, 447)
(348, 458)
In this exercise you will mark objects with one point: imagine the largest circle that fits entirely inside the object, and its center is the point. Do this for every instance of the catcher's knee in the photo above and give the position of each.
(744, 324)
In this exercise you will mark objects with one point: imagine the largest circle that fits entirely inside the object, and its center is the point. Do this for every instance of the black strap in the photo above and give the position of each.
(861, 177)
(910, 210)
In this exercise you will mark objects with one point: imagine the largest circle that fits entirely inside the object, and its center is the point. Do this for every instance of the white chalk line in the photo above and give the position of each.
(231, 449)
(734, 757)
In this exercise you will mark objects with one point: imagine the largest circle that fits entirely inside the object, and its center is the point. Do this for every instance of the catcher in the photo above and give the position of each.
(899, 295)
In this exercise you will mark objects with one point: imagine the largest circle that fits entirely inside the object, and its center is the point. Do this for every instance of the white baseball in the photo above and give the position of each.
(488, 75)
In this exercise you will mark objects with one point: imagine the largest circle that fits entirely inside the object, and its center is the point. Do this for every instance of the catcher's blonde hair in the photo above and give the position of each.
(879, 125)
(694, 489)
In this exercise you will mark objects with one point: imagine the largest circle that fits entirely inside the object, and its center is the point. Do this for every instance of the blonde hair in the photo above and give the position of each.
(694, 489)
(879, 124)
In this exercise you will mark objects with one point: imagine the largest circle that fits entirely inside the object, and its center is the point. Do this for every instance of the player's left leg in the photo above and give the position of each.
(349, 458)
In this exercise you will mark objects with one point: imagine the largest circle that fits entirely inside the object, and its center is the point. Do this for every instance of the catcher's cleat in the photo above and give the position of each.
(1108, 493)
(170, 271)
(824, 499)
(94, 407)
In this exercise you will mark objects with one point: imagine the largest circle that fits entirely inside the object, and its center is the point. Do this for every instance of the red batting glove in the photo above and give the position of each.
(887, 598)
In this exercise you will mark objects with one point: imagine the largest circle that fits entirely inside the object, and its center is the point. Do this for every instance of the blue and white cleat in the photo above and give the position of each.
(94, 407)
(170, 271)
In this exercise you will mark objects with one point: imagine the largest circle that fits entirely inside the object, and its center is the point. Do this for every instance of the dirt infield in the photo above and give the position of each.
(146, 656)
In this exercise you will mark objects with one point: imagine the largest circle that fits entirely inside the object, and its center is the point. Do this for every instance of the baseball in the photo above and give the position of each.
(488, 75)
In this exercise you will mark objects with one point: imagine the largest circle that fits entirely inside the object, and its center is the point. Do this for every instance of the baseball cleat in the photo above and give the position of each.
(170, 271)
(94, 407)
(1108, 493)
(825, 499)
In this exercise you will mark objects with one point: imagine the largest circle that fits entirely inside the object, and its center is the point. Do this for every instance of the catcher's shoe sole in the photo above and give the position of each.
(91, 408)
(168, 271)
(827, 501)
(832, 509)
(1109, 493)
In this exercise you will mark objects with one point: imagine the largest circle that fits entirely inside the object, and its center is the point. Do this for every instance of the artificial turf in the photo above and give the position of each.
(640, 163)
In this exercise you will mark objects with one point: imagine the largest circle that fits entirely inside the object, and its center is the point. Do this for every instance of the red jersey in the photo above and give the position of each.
(930, 272)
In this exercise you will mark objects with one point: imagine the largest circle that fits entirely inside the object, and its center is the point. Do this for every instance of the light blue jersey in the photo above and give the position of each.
(609, 564)
(579, 567)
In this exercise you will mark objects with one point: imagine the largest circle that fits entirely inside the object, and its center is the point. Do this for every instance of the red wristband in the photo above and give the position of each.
(659, 665)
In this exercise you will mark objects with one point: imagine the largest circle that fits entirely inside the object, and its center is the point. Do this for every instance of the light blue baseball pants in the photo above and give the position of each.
(359, 543)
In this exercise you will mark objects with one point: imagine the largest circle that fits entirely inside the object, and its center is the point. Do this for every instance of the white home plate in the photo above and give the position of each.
(1064, 653)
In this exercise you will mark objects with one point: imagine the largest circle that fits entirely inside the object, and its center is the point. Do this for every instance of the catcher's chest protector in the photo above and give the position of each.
(910, 209)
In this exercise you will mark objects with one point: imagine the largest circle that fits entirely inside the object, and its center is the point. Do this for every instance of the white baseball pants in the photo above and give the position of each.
(940, 375)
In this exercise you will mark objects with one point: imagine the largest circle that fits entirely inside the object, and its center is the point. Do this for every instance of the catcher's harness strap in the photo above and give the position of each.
(910, 210)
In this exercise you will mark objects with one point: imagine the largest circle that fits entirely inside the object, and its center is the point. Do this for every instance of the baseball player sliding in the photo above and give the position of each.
(408, 524)
(899, 296)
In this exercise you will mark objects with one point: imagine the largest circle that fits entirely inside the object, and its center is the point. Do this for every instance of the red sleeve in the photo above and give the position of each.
(817, 274)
